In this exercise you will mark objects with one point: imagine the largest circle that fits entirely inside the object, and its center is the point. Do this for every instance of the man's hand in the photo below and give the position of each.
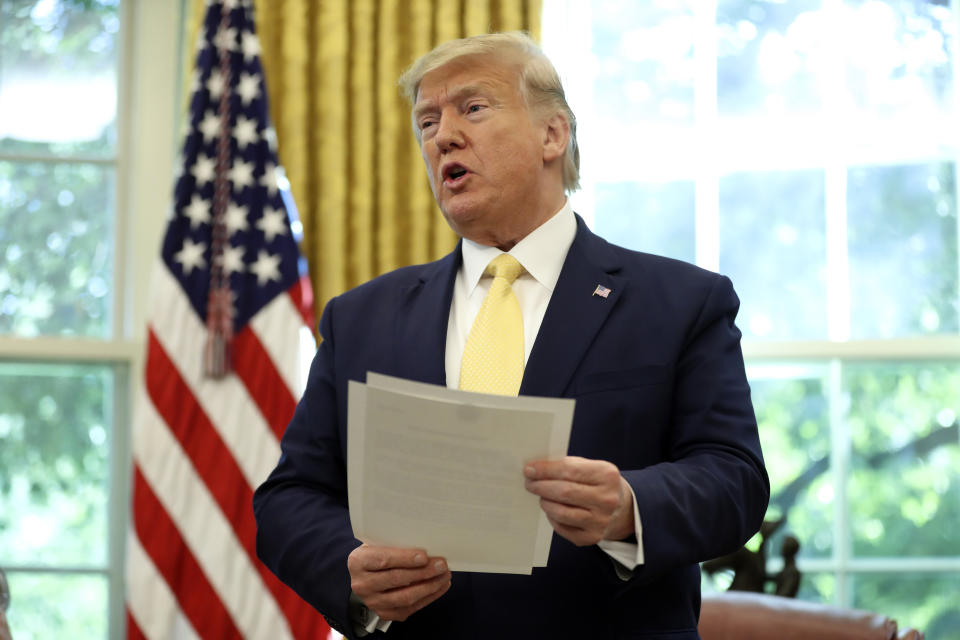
(586, 501)
(395, 583)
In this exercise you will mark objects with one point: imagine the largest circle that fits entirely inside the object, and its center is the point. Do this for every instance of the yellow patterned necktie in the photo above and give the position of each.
(493, 356)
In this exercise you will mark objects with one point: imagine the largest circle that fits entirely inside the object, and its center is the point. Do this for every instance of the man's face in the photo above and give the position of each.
(484, 151)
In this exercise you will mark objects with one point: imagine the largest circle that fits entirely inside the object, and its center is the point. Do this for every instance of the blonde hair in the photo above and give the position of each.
(539, 82)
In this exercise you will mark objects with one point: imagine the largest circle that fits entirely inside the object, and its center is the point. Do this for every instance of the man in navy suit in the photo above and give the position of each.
(664, 467)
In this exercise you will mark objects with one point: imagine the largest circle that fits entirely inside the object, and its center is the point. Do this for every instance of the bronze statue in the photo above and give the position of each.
(750, 567)
(787, 581)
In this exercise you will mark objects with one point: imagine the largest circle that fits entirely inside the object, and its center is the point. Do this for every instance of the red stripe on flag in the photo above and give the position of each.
(163, 543)
(133, 630)
(302, 295)
(252, 364)
(177, 406)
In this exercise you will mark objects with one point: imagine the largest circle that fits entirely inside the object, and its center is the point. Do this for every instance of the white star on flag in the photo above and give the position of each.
(233, 260)
(273, 223)
(245, 131)
(209, 126)
(204, 169)
(266, 268)
(198, 211)
(215, 84)
(236, 218)
(269, 178)
(226, 39)
(250, 45)
(270, 135)
(248, 88)
(241, 175)
(190, 255)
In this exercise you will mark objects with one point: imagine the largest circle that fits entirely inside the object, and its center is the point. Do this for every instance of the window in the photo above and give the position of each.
(63, 359)
(809, 150)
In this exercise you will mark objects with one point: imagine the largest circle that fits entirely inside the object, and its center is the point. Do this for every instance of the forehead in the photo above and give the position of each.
(467, 76)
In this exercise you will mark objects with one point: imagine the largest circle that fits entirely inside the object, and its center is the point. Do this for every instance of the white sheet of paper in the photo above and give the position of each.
(442, 470)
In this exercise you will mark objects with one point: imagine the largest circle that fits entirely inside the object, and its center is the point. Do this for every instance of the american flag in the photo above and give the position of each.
(230, 298)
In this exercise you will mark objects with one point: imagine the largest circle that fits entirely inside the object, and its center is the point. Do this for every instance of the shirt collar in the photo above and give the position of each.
(541, 253)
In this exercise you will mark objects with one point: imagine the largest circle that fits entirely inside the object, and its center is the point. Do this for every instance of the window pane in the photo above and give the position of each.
(768, 57)
(642, 68)
(57, 606)
(792, 414)
(56, 235)
(55, 426)
(657, 218)
(818, 587)
(904, 489)
(925, 601)
(901, 62)
(773, 246)
(644, 52)
(903, 250)
(58, 53)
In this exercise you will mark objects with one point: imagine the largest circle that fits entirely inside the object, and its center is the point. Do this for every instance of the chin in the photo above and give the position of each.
(461, 217)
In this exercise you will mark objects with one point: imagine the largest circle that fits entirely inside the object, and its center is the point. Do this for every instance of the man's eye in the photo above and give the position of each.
(473, 108)
(426, 124)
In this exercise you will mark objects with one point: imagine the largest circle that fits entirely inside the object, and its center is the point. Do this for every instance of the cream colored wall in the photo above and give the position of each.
(149, 154)
(149, 103)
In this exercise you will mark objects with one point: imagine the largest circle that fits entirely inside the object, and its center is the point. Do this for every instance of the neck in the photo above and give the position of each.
(506, 239)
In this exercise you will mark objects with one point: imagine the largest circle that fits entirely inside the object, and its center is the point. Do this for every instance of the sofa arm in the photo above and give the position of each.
(741, 615)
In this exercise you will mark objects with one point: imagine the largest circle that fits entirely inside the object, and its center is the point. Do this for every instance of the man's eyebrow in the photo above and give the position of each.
(457, 95)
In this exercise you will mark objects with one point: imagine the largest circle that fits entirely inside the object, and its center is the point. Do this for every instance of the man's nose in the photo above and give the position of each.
(449, 133)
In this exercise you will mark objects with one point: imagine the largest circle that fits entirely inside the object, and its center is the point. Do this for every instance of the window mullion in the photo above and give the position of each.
(955, 141)
(930, 348)
(838, 262)
(569, 45)
(119, 497)
(836, 110)
(839, 471)
(41, 158)
(121, 316)
(707, 162)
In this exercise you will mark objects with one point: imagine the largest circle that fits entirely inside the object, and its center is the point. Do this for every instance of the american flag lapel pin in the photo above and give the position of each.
(601, 291)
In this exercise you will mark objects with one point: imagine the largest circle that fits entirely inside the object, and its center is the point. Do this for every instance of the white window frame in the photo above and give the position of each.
(149, 86)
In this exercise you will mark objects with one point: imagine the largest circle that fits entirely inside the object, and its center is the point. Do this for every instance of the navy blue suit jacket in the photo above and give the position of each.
(657, 373)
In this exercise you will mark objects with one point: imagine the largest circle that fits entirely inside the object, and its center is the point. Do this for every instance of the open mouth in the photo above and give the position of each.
(454, 172)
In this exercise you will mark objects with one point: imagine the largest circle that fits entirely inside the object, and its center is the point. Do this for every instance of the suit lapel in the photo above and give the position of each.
(419, 345)
(574, 314)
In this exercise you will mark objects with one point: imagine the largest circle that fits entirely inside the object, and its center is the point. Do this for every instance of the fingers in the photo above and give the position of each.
(395, 583)
(573, 469)
(577, 535)
(374, 558)
(594, 498)
(402, 603)
(585, 500)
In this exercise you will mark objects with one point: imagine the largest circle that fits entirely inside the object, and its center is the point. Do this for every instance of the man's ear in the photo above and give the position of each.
(556, 135)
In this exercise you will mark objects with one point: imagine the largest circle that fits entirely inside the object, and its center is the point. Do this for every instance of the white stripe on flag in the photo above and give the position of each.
(205, 531)
(226, 401)
(149, 598)
(278, 326)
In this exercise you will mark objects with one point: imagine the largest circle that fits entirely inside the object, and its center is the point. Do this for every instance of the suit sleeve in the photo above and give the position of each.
(303, 526)
(709, 494)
